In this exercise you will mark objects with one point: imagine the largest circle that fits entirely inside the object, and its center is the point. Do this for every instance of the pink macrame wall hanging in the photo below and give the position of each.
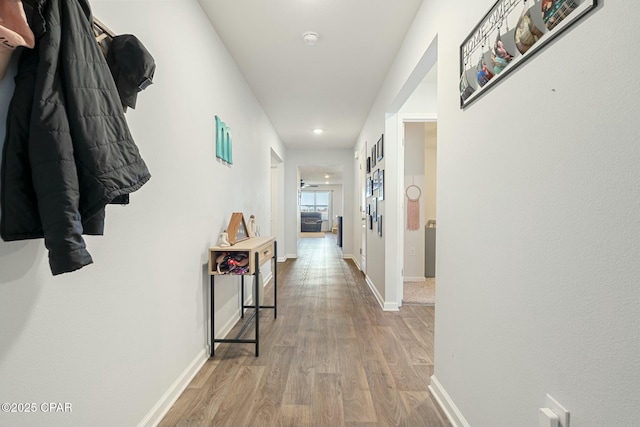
(413, 193)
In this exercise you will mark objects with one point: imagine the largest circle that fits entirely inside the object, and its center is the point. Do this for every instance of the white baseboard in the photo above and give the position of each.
(375, 291)
(355, 261)
(290, 256)
(413, 279)
(266, 279)
(282, 258)
(167, 400)
(446, 404)
(391, 306)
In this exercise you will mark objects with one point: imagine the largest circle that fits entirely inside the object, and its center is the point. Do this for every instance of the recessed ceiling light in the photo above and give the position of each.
(310, 37)
(318, 131)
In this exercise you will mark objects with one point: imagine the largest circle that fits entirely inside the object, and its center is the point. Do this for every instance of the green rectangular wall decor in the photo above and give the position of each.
(223, 141)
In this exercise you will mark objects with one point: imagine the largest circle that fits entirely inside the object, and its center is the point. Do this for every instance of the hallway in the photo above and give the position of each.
(331, 358)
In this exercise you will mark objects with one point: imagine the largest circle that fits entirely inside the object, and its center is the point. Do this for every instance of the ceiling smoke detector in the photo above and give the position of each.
(310, 37)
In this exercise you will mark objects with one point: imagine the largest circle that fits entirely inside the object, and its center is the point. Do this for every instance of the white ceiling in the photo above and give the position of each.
(331, 85)
(325, 174)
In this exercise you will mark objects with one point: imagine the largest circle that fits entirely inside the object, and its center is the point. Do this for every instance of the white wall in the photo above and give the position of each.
(113, 337)
(538, 200)
(414, 174)
(431, 169)
(296, 158)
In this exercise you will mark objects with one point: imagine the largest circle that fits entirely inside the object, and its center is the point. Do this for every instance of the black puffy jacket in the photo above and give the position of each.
(68, 151)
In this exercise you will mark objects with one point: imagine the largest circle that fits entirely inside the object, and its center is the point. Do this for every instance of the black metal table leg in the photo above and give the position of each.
(242, 307)
(275, 280)
(256, 301)
(212, 350)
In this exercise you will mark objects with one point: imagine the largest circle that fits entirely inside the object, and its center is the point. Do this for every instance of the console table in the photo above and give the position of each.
(259, 250)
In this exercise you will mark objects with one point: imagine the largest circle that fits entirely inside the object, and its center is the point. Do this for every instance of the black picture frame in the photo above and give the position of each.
(381, 185)
(368, 164)
(370, 219)
(380, 145)
(369, 189)
(376, 177)
(477, 67)
(374, 209)
(380, 226)
(374, 155)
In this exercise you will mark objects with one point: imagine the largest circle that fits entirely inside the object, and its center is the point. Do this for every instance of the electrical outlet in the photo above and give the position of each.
(563, 414)
(412, 251)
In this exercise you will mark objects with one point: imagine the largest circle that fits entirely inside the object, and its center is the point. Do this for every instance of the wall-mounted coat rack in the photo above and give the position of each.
(102, 33)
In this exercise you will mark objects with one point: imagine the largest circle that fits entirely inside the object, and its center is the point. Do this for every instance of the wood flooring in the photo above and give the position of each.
(331, 358)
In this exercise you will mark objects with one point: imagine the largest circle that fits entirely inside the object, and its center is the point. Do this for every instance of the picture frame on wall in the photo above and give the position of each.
(374, 155)
(370, 219)
(376, 177)
(374, 209)
(369, 189)
(380, 151)
(509, 34)
(380, 226)
(381, 185)
(368, 164)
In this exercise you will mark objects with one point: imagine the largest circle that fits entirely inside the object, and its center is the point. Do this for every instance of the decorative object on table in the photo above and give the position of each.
(381, 185)
(380, 145)
(413, 193)
(14, 32)
(237, 229)
(223, 239)
(253, 229)
(520, 29)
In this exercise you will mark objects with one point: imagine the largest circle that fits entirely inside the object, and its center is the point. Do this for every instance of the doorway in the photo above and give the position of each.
(420, 175)
(320, 200)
